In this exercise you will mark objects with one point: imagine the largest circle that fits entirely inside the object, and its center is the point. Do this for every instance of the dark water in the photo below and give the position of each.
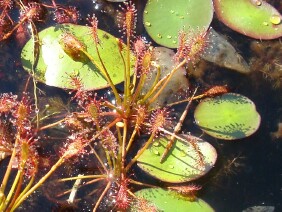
(248, 172)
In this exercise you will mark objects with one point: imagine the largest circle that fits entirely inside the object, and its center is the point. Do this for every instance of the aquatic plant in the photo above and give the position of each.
(263, 23)
(166, 200)
(164, 19)
(58, 63)
(267, 60)
(183, 163)
(114, 131)
(230, 116)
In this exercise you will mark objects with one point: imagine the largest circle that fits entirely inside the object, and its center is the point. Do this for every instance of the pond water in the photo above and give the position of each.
(248, 171)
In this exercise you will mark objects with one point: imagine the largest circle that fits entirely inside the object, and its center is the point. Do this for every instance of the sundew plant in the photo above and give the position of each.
(118, 115)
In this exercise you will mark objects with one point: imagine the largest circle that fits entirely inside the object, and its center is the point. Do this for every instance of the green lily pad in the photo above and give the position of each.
(166, 201)
(56, 65)
(184, 162)
(163, 19)
(230, 116)
(256, 19)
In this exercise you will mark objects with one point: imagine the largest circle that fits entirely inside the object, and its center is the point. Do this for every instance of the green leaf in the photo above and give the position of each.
(256, 19)
(167, 201)
(185, 162)
(163, 19)
(230, 116)
(57, 65)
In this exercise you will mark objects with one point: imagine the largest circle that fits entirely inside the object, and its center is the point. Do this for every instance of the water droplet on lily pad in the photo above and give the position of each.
(230, 116)
(171, 166)
(258, 3)
(156, 144)
(275, 19)
(156, 152)
(147, 23)
(182, 153)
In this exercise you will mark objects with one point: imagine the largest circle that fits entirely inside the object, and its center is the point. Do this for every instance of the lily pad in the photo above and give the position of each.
(256, 19)
(56, 66)
(230, 116)
(185, 162)
(163, 19)
(166, 201)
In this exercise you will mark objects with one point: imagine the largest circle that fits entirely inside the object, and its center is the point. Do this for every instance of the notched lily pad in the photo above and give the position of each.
(185, 162)
(163, 19)
(256, 19)
(230, 116)
(57, 64)
(166, 201)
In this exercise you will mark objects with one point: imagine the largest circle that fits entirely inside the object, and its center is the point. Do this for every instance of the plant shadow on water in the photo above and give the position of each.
(123, 124)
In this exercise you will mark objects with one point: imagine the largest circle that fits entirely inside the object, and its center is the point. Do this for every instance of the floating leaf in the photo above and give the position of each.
(254, 18)
(230, 116)
(262, 208)
(185, 162)
(166, 201)
(222, 53)
(58, 64)
(163, 19)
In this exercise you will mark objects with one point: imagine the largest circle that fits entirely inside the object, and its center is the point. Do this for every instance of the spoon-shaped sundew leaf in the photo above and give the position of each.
(185, 162)
(230, 116)
(254, 18)
(163, 19)
(57, 65)
(167, 201)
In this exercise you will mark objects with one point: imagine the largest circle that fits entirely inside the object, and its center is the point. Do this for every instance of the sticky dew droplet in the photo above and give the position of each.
(171, 166)
(169, 36)
(120, 124)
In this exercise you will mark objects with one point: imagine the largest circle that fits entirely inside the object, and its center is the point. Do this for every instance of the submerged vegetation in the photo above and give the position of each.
(116, 119)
